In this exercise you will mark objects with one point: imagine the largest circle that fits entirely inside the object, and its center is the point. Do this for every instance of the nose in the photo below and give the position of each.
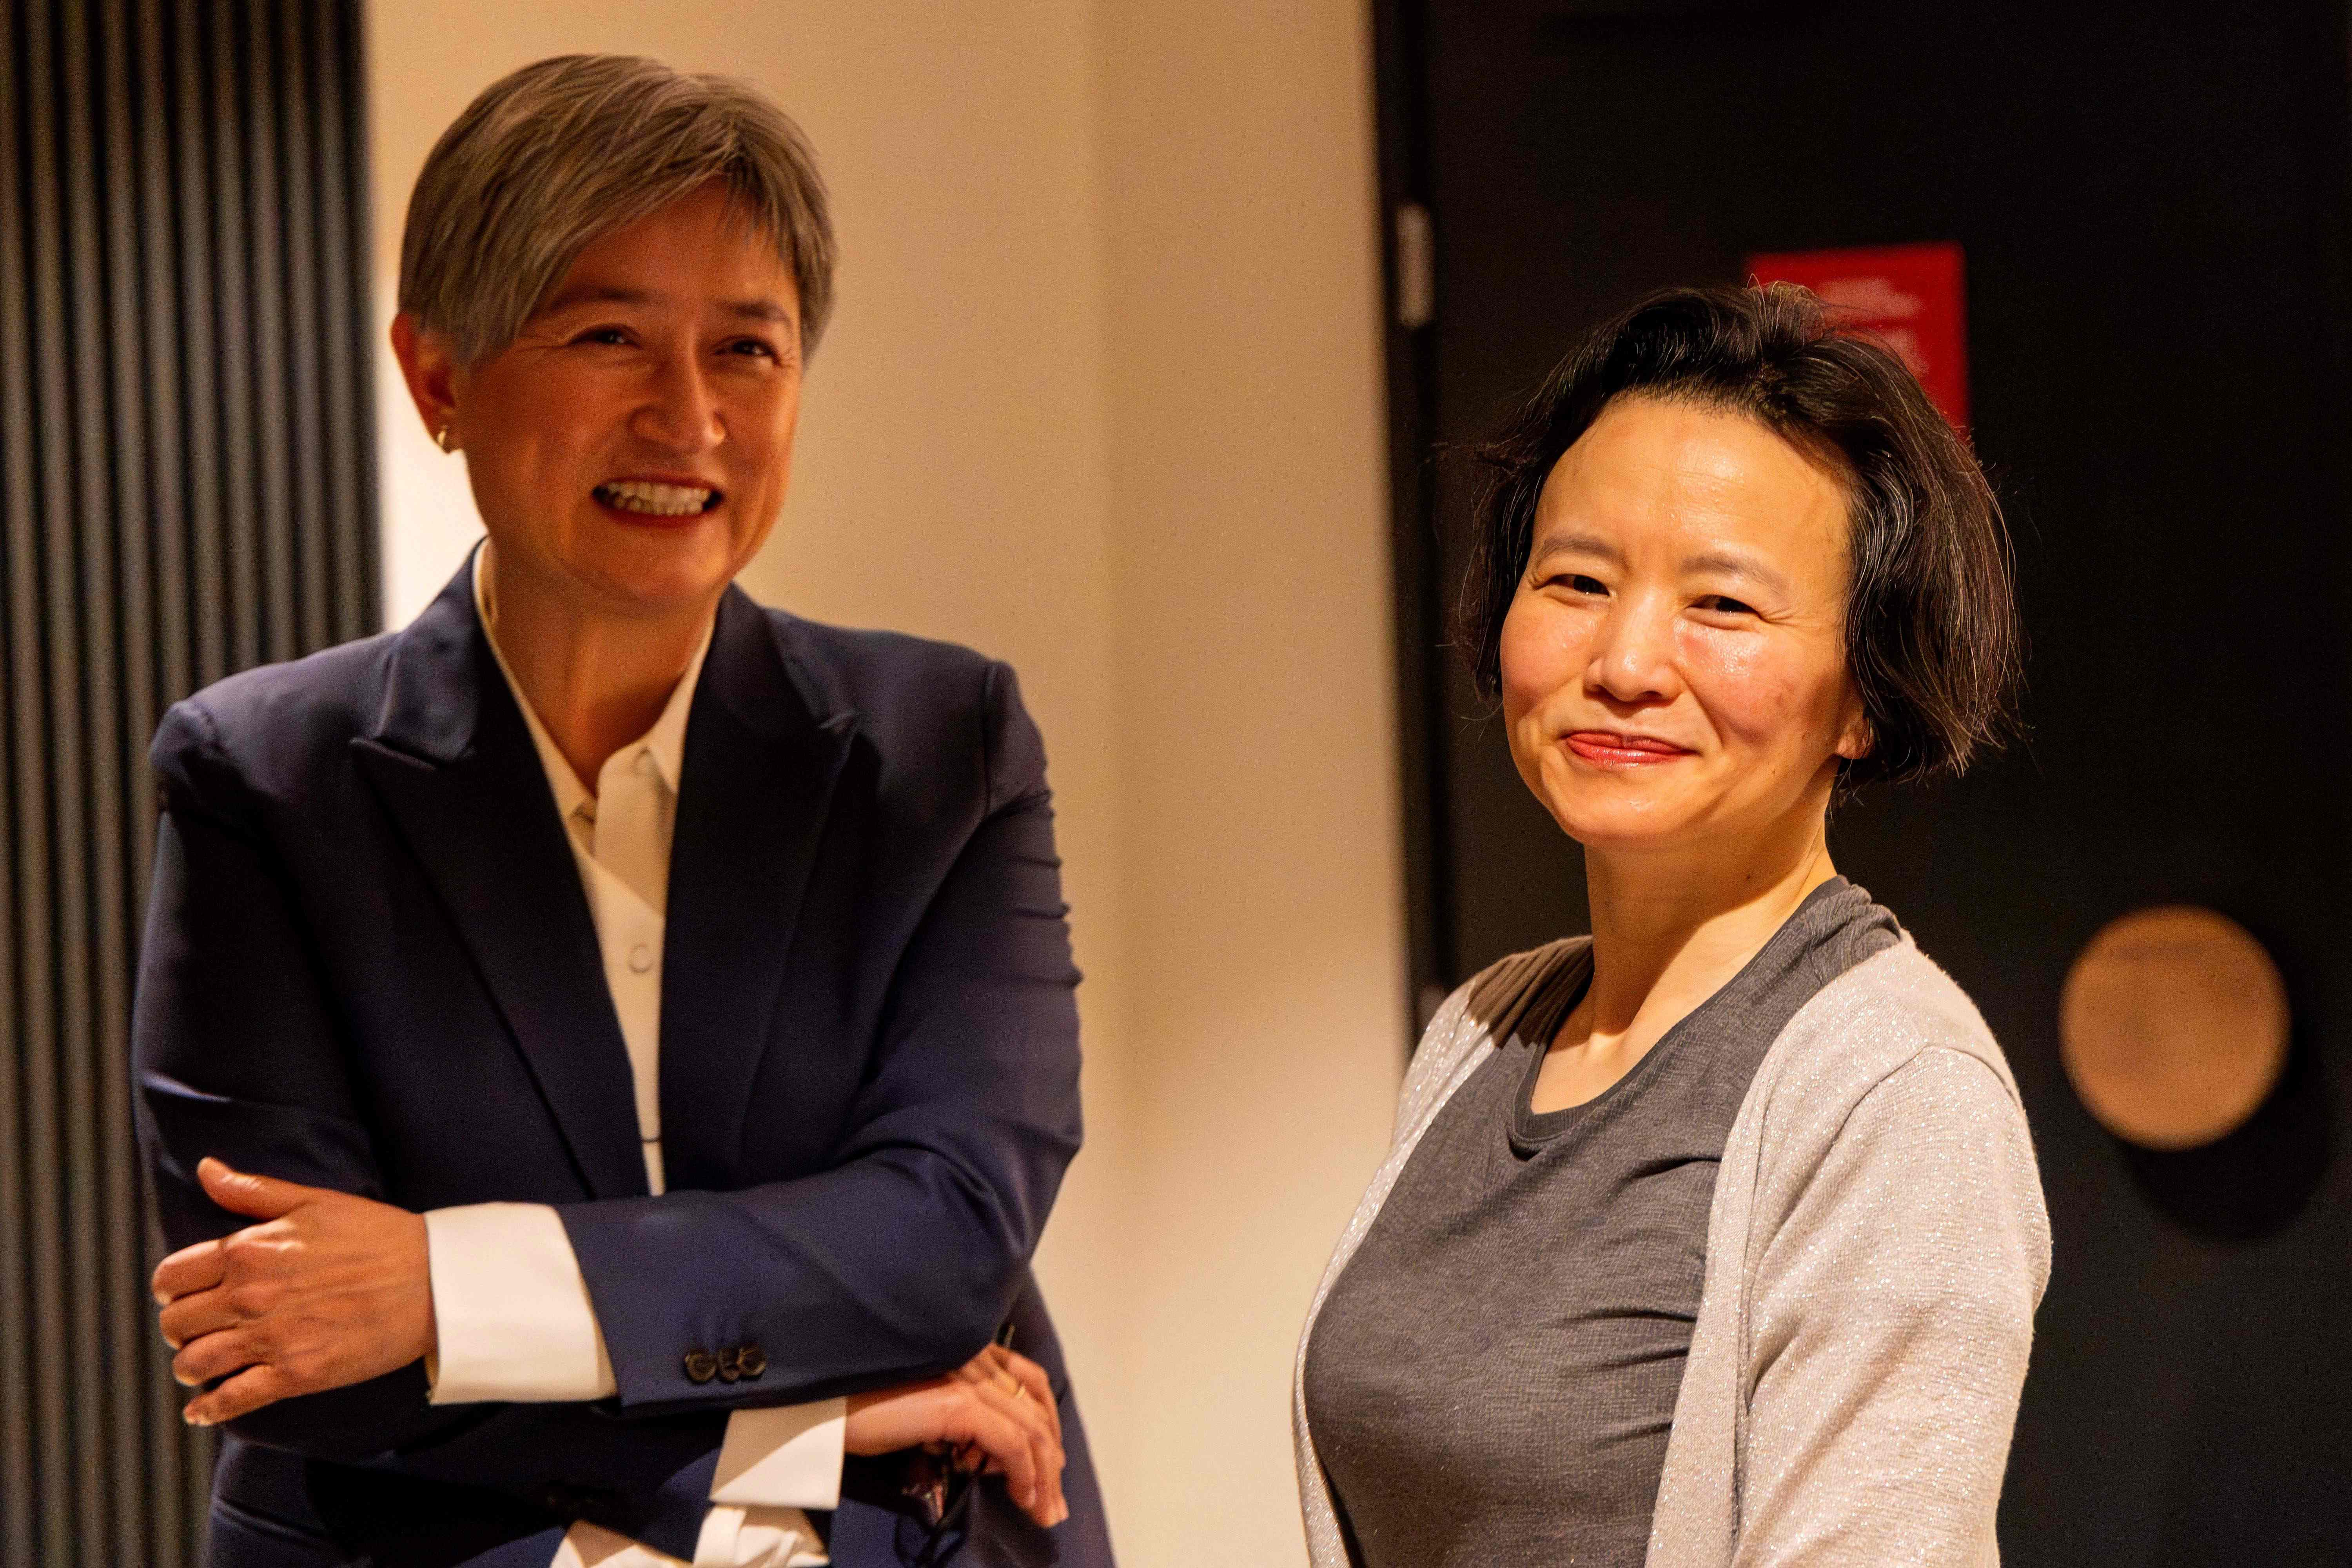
(1633, 657)
(680, 413)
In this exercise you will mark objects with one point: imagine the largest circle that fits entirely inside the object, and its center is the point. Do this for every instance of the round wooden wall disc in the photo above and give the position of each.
(2173, 1027)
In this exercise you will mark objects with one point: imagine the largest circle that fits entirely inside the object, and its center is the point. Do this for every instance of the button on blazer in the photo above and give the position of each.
(369, 965)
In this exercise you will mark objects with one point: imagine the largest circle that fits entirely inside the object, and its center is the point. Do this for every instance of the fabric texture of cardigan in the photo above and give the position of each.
(1876, 1250)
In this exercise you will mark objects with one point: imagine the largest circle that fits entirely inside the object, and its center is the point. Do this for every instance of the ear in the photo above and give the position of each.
(1856, 740)
(428, 364)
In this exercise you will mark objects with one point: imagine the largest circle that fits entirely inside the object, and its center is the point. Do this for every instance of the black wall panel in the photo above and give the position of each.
(185, 489)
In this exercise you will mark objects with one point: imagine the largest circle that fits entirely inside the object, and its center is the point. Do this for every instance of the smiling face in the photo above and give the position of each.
(1674, 661)
(630, 450)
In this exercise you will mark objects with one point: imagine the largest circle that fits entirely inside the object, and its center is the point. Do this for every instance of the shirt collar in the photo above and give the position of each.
(665, 740)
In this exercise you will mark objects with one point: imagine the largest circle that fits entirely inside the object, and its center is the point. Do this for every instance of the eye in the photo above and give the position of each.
(608, 336)
(1724, 604)
(1578, 583)
(750, 348)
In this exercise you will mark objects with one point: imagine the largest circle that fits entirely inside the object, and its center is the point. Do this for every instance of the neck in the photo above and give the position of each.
(596, 681)
(1669, 927)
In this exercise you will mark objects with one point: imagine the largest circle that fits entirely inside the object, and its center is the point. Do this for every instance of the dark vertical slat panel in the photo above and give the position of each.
(80, 567)
(185, 486)
(129, 340)
(298, 113)
(267, 222)
(344, 315)
(208, 595)
(161, 283)
(52, 918)
(233, 346)
(18, 997)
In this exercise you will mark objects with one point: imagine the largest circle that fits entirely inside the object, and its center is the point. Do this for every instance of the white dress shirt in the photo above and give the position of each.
(514, 1318)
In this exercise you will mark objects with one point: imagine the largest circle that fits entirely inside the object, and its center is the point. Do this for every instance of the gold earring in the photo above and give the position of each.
(441, 437)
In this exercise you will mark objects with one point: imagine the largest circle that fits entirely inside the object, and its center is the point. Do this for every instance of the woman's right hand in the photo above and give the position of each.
(996, 1411)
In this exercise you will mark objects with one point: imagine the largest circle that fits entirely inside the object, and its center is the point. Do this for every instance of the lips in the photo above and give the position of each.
(1610, 749)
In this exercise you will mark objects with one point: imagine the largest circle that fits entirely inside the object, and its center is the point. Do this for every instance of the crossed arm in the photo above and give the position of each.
(329, 1290)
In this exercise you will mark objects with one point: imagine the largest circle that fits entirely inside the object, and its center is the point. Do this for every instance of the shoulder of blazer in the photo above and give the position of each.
(274, 725)
(922, 704)
(874, 674)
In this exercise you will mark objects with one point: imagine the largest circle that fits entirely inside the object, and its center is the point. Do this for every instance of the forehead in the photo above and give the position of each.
(697, 251)
(1654, 472)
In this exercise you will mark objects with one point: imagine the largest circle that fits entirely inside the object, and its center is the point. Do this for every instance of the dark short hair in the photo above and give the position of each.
(1931, 631)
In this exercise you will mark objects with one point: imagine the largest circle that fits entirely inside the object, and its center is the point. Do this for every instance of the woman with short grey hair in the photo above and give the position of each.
(606, 1051)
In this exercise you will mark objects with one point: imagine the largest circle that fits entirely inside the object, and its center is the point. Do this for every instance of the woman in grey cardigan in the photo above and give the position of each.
(1714, 1238)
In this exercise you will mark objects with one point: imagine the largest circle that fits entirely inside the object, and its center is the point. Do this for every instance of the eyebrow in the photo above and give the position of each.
(759, 310)
(1735, 563)
(1725, 563)
(1574, 544)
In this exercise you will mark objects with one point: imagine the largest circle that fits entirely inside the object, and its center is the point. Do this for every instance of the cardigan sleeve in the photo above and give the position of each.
(1889, 1320)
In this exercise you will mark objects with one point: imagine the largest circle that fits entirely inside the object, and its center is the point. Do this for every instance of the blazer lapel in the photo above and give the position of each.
(454, 763)
(757, 779)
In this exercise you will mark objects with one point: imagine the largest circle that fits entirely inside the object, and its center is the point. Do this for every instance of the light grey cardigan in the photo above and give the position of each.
(1875, 1251)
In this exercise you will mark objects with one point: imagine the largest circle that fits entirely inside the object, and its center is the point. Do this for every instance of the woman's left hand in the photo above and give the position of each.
(997, 1411)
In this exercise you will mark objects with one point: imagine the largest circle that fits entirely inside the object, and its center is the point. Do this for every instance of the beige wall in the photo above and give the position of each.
(1102, 398)
(1264, 977)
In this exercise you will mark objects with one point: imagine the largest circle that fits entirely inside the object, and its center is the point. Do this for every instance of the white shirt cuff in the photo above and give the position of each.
(758, 1538)
(510, 1310)
(787, 1455)
(592, 1546)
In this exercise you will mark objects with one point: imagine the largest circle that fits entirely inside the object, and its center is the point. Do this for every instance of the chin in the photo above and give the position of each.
(655, 592)
(1620, 823)
(664, 573)
(1619, 836)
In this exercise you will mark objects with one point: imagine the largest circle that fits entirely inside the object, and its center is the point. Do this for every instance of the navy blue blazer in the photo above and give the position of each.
(369, 965)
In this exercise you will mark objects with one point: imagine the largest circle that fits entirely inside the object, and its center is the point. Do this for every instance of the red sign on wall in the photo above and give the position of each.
(1908, 297)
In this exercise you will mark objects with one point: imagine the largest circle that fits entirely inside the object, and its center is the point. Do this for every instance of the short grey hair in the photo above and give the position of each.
(555, 156)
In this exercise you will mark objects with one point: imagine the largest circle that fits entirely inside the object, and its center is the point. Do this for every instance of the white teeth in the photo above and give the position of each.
(660, 500)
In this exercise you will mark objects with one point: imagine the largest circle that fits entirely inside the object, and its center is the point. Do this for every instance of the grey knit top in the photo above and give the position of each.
(1492, 1379)
(1875, 1247)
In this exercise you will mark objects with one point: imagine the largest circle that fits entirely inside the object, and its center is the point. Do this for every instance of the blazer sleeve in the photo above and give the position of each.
(901, 1259)
(236, 1054)
(1890, 1317)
